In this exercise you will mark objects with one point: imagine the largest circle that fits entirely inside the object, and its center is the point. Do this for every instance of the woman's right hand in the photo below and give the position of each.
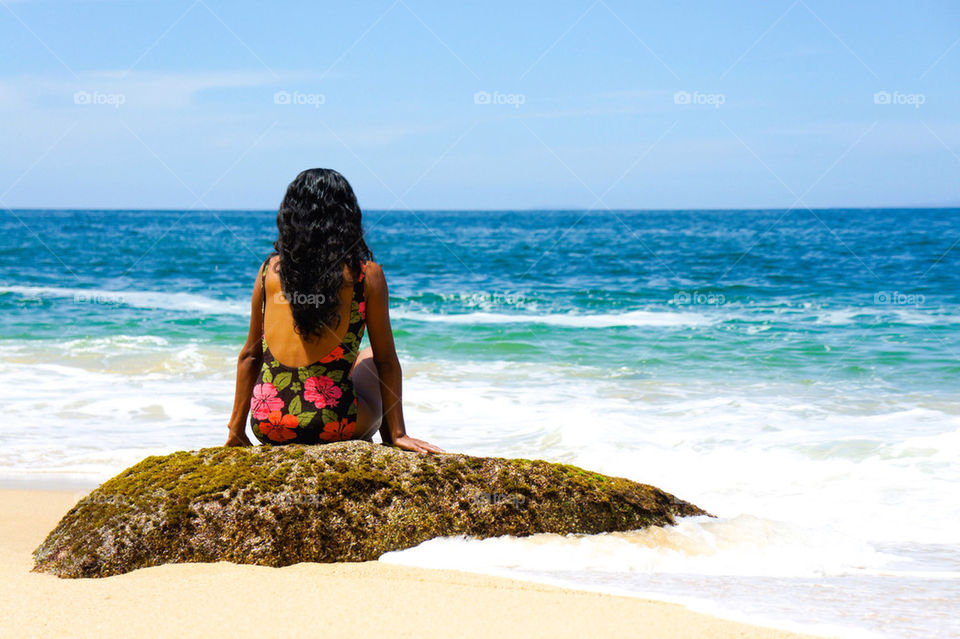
(416, 445)
(238, 439)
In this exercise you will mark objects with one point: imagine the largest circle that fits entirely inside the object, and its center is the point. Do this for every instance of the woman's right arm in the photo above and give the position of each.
(387, 362)
(248, 367)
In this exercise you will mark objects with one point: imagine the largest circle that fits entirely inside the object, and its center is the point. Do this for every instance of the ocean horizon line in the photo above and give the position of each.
(949, 207)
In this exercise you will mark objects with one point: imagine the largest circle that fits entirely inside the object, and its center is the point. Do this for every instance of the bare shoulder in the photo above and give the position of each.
(373, 276)
(270, 264)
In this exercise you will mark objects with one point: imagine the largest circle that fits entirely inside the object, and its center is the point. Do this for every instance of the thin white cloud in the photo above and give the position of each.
(142, 89)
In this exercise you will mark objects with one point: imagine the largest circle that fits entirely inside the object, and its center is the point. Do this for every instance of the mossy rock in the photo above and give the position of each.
(348, 501)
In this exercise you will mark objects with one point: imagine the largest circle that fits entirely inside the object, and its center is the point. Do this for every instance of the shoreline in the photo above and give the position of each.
(347, 599)
(52, 484)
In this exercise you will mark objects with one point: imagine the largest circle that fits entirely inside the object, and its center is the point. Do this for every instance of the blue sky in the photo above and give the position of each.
(587, 104)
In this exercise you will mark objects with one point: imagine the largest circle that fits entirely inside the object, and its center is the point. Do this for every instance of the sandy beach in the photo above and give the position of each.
(344, 600)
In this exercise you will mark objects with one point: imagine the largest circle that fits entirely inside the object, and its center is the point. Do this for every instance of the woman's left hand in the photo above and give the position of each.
(238, 439)
(415, 445)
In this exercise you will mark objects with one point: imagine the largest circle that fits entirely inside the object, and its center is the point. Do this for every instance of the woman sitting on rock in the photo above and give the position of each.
(301, 375)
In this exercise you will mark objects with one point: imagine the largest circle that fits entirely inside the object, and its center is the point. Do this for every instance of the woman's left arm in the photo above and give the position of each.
(248, 366)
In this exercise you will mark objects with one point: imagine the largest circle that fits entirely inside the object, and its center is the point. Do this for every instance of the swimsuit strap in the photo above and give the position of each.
(263, 296)
(359, 296)
(363, 271)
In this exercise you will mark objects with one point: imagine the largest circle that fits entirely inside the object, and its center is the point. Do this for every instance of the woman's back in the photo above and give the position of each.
(286, 344)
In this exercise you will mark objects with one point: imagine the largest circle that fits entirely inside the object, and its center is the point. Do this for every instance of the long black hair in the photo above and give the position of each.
(319, 231)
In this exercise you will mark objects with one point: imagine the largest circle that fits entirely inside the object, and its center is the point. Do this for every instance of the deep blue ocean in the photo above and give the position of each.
(794, 372)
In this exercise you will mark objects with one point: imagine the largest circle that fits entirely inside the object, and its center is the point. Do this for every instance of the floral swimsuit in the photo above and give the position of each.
(309, 404)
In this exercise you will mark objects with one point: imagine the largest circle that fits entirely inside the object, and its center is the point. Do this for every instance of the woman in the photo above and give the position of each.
(300, 375)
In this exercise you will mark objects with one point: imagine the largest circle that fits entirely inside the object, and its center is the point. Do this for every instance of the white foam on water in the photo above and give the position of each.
(97, 411)
(872, 315)
(571, 320)
(187, 302)
(135, 355)
(742, 546)
(706, 315)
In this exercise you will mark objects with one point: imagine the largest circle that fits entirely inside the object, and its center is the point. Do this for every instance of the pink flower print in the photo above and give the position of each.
(321, 391)
(362, 306)
(265, 400)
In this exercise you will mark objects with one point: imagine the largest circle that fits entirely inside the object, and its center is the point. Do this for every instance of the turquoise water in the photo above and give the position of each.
(793, 372)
